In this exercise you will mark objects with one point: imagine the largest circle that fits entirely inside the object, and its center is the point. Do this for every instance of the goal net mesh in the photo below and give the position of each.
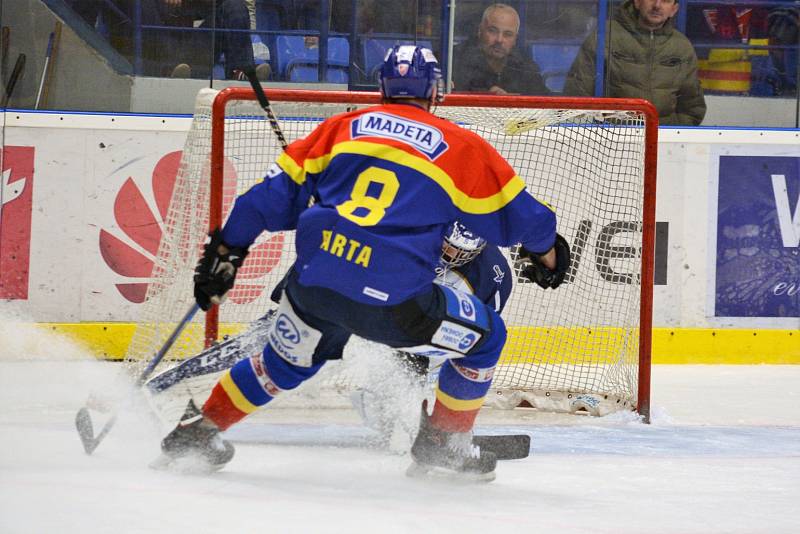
(575, 348)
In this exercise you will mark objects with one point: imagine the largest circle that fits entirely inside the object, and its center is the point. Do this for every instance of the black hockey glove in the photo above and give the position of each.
(216, 272)
(531, 267)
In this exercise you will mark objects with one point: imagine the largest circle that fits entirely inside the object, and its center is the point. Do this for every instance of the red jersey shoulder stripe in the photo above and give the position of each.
(475, 177)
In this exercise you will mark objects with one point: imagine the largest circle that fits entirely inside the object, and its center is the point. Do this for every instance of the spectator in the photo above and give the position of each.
(305, 15)
(420, 20)
(647, 58)
(193, 50)
(111, 19)
(489, 62)
(784, 33)
(105, 17)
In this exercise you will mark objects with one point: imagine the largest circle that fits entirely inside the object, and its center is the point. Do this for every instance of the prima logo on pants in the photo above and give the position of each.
(287, 331)
(291, 338)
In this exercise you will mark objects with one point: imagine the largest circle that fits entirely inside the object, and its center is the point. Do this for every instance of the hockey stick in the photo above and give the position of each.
(44, 69)
(83, 421)
(250, 72)
(19, 66)
(505, 447)
(49, 64)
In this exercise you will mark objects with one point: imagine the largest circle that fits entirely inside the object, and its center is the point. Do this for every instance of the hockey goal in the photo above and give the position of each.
(584, 347)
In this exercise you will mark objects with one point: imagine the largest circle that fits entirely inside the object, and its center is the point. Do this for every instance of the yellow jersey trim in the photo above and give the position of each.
(462, 200)
(290, 167)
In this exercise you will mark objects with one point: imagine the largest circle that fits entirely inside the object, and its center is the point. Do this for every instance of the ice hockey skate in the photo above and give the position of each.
(194, 446)
(452, 455)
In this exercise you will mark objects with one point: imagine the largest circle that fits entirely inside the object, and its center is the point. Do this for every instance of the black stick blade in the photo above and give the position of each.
(83, 422)
(507, 447)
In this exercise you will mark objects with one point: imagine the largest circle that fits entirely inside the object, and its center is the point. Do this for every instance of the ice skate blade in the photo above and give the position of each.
(191, 464)
(427, 472)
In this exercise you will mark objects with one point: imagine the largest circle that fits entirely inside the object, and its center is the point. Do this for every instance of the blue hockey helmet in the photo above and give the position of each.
(409, 71)
(460, 246)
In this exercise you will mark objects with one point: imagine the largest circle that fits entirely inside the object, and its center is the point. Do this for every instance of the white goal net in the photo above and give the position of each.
(583, 347)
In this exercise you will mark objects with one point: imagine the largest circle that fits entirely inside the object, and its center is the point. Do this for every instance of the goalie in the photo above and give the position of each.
(467, 265)
(386, 181)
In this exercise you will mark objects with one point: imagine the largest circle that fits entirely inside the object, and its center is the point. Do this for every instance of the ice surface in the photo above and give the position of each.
(722, 456)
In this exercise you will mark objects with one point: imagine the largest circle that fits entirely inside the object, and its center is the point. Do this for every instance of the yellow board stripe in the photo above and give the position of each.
(458, 405)
(728, 346)
(107, 340)
(394, 155)
(670, 345)
(235, 394)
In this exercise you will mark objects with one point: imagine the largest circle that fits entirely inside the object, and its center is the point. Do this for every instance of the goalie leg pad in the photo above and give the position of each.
(464, 313)
(464, 382)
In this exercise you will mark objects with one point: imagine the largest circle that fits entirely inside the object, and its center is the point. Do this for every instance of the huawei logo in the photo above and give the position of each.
(130, 249)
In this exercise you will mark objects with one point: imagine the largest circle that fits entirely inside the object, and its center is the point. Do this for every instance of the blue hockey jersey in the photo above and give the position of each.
(488, 277)
(386, 182)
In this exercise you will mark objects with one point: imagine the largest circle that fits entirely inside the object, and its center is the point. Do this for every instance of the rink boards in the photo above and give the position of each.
(727, 258)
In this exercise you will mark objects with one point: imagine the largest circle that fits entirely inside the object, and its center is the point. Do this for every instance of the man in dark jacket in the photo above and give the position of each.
(646, 57)
(491, 64)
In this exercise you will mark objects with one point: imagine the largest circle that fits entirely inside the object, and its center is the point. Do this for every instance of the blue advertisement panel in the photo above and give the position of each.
(758, 237)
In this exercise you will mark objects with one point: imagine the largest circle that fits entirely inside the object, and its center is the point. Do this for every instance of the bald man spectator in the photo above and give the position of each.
(489, 62)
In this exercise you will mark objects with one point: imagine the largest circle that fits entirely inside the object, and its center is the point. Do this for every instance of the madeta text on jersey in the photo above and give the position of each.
(423, 137)
(352, 250)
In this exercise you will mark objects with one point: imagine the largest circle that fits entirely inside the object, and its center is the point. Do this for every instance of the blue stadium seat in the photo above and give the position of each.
(375, 50)
(554, 59)
(309, 74)
(298, 63)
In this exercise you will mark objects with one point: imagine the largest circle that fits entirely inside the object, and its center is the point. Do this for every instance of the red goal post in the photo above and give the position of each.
(584, 347)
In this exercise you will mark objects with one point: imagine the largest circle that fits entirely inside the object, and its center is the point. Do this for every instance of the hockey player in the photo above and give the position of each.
(465, 264)
(386, 182)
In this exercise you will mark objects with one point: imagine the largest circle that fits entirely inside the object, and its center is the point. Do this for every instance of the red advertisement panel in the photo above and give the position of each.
(15, 221)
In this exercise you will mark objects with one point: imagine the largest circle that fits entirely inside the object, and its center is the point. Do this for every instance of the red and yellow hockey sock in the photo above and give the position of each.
(252, 383)
(459, 396)
(239, 392)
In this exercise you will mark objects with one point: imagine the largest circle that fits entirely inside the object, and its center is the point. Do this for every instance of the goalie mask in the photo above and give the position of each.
(410, 71)
(460, 246)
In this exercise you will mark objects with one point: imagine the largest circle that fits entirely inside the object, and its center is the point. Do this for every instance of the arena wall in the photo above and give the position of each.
(727, 254)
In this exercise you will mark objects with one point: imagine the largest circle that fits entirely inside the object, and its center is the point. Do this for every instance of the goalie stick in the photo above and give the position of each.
(83, 420)
(216, 358)
(223, 356)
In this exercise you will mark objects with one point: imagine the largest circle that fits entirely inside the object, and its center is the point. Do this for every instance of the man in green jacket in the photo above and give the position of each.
(646, 57)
